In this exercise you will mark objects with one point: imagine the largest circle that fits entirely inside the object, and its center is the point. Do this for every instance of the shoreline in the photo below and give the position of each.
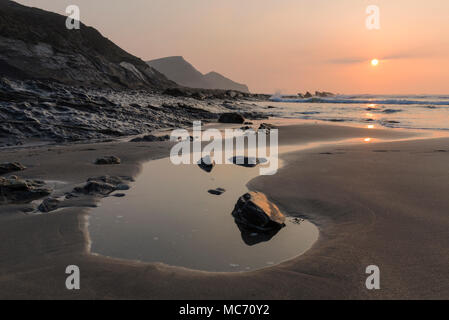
(99, 269)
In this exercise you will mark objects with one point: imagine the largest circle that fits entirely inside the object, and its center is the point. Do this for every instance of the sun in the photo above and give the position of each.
(374, 62)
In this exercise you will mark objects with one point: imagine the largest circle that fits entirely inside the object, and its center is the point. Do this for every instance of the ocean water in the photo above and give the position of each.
(398, 111)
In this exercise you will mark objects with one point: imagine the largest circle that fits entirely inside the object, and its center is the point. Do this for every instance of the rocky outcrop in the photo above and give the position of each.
(231, 117)
(108, 160)
(11, 167)
(254, 211)
(16, 190)
(35, 44)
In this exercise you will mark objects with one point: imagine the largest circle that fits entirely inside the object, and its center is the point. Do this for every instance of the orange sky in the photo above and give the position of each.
(286, 45)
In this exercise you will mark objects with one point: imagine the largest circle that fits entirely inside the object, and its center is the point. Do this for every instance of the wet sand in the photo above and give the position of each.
(374, 203)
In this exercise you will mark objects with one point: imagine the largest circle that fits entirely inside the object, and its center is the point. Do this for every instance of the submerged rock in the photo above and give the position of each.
(108, 160)
(206, 163)
(254, 211)
(17, 190)
(49, 204)
(231, 117)
(11, 167)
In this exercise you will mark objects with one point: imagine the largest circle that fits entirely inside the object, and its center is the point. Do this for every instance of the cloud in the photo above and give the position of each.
(347, 61)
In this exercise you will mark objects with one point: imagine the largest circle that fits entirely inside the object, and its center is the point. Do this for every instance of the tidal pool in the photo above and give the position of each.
(168, 216)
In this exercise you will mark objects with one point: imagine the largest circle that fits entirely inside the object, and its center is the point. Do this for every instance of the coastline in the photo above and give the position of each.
(331, 269)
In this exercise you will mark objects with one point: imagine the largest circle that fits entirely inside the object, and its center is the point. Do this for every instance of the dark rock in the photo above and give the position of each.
(206, 164)
(254, 211)
(151, 138)
(11, 167)
(231, 117)
(308, 95)
(49, 204)
(252, 237)
(217, 192)
(119, 195)
(108, 160)
(21, 191)
(103, 185)
(248, 162)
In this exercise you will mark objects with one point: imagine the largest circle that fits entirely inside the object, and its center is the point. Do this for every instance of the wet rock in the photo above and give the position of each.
(49, 204)
(103, 185)
(217, 191)
(119, 195)
(252, 237)
(248, 162)
(15, 190)
(108, 160)
(206, 163)
(231, 117)
(11, 167)
(308, 95)
(151, 138)
(254, 211)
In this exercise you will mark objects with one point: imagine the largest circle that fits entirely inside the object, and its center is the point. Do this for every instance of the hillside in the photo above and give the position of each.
(183, 73)
(35, 44)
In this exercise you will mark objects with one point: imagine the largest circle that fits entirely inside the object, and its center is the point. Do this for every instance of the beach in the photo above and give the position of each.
(377, 203)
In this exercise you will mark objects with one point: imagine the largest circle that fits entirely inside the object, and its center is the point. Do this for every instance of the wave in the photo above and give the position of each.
(354, 100)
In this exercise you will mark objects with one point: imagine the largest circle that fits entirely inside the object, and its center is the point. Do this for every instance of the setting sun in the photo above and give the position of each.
(374, 62)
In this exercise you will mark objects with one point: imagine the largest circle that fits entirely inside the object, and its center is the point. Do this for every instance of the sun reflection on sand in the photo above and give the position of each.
(367, 140)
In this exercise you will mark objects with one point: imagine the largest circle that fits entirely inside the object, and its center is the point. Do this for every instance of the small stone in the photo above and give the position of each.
(11, 167)
(108, 160)
(49, 204)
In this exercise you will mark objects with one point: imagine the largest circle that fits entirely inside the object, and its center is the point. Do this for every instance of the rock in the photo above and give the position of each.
(11, 167)
(151, 138)
(308, 95)
(103, 185)
(49, 204)
(252, 237)
(119, 195)
(22, 191)
(108, 160)
(248, 162)
(254, 211)
(248, 123)
(217, 192)
(94, 188)
(206, 164)
(231, 117)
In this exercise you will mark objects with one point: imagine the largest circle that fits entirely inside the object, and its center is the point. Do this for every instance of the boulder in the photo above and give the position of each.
(108, 160)
(49, 204)
(206, 163)
(254, 211)
(17, 190)
(11, 167)
(231, 117)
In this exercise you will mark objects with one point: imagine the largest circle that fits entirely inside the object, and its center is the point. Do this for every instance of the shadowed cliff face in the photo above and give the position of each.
(35, 44)
(183, 73)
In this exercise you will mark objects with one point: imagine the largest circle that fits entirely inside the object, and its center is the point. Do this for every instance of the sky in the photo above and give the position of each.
(286, 46)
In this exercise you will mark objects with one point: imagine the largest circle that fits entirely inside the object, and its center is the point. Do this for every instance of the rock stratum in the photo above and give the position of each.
(35, 44)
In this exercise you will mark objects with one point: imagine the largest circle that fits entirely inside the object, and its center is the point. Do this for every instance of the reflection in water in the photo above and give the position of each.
(252, 237)
(168, 216)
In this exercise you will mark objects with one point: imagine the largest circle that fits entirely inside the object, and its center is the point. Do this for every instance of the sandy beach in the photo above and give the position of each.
(378, 203)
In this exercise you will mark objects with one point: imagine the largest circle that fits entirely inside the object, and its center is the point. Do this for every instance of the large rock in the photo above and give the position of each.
(11, 167)
(231, 117)
(15, 190)
(254, 211)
